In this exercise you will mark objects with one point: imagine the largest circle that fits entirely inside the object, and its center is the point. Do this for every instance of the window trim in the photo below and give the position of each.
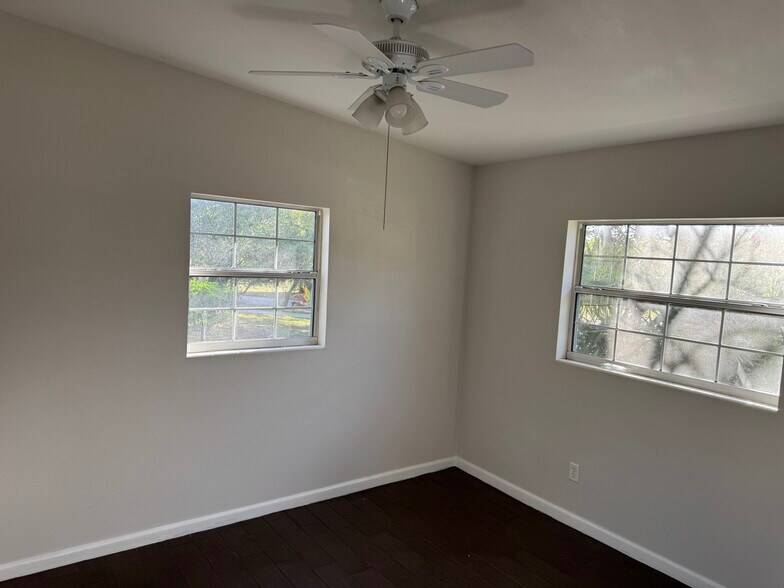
(318, 274)
(571, 288)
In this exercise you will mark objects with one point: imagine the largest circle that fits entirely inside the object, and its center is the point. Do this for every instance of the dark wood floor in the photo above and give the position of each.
(442, 529)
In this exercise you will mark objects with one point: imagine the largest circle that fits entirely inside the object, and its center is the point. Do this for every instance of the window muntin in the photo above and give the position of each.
(697, 304)
(254, 275)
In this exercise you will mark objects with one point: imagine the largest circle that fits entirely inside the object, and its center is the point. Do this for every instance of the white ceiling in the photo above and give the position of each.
(607, 71)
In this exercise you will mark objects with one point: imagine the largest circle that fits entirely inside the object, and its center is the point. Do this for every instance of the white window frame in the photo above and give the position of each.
(319, 275)
(571, 288)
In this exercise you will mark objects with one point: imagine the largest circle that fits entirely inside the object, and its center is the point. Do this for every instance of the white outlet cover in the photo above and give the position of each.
(574, 471)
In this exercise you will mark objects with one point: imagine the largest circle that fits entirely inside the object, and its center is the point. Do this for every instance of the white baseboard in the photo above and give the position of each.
(108, 546)
(79, 553)
(638, 552)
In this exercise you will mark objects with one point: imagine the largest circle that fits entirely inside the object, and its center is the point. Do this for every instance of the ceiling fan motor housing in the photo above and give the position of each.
(404, 54)
(399, 10)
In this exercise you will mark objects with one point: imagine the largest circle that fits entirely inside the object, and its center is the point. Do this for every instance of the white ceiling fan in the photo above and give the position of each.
(399, 63)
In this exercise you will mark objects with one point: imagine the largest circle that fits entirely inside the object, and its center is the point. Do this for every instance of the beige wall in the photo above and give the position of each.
(105, 427)
(695, 479)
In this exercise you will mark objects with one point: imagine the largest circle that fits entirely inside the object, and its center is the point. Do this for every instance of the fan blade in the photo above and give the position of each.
(332, 74)
(473, 95)
(357, 43)
(361, 99)
(492, 59)
(419, 123)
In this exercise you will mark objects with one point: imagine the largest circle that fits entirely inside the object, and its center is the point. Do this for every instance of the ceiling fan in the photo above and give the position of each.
(399, 63)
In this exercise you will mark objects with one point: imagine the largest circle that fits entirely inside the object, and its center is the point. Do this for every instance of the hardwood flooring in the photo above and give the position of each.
(442, 529)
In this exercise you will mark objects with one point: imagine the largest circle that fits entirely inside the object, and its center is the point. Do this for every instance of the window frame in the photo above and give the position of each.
(572, 287)
(319, 276)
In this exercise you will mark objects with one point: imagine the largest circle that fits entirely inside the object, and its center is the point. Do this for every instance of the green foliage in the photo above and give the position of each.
(210, 292)
(597, 310)
(211, 251)
(212, 216)
(295, 255)
(594, 341)
(256, 221)
(296, 224)
(602, 271)
(255, 253)
(606, 240)
(209, 325)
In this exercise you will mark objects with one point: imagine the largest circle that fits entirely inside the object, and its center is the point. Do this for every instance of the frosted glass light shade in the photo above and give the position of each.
(419, 122)
(370, 112)
(400, 110)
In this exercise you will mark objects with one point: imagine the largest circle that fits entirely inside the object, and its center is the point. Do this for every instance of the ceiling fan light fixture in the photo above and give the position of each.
(370, 112)
(419, 122)
(399, 108)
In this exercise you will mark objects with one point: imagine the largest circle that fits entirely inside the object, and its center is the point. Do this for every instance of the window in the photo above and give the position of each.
(257, 275)
(694, 304)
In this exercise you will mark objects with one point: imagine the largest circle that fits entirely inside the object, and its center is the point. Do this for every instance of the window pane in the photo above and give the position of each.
(209, 251)
(641, 350)
(256, 221)
(295, 255)
(605, 240)
(697, 324)
(596, 341)
(296, 224)
(648, 275)
(645, 317)
(747, 369)
(210, 293)
(690, 359)
(295, 293)
(701, 340)
(651, 240)
(293, 324)
(256, 292)
(701, 278)
(597, 310)
(602, 271)
(760, 243)
(209, 325)
(757, 283)
(255, 324)
(709, 242)
(212, 216)
(255, 253)
(754, 331)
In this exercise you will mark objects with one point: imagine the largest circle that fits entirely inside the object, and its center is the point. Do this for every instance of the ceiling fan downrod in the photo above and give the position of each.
(405, 55)
(396, 24)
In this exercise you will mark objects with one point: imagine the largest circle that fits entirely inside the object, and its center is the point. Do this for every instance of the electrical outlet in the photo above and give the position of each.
(574, 472)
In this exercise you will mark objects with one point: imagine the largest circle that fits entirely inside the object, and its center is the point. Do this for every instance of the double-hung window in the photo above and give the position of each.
(694, 304)
(257, 275)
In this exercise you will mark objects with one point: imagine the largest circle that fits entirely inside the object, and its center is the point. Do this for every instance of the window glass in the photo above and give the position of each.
(254, 276)
(684, 302)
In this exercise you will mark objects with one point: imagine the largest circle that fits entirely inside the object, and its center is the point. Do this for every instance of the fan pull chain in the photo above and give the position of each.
(386, 184)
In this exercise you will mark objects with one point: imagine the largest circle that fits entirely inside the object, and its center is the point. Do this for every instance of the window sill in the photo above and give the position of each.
(692, 389)
(253, 351)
